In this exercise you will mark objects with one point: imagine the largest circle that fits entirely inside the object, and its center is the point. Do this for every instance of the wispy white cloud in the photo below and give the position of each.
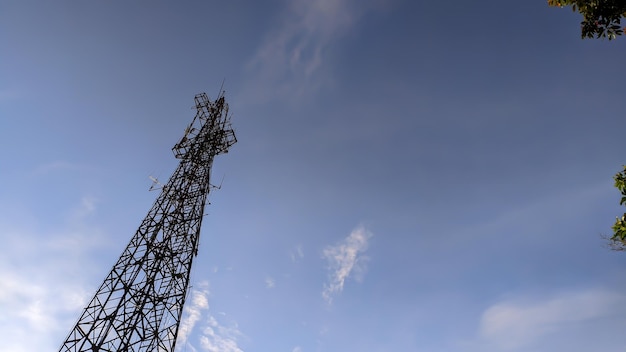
(290, 60)
(344, 258)
(219, 338)
(32, 306)
(516, 324)
(40, 292)
(192, 314)
(213, 336)
(270, 282)
(297, 349)
(87, 207)
(296, 253)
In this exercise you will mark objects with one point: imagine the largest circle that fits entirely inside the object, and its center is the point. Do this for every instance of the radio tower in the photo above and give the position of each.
(139, 305)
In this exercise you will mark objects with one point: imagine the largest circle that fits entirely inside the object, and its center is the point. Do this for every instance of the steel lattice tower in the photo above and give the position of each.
(139, 305)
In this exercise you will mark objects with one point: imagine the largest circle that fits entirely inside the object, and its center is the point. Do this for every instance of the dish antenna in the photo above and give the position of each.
(155, 184)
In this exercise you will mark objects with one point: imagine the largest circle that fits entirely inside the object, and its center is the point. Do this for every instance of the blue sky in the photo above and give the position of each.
(409, 176)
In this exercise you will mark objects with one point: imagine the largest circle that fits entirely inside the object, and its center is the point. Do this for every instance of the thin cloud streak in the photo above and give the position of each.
(290, 60)
(515, 324)
(344, 258)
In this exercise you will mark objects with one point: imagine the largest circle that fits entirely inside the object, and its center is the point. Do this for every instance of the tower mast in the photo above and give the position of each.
(139, 305)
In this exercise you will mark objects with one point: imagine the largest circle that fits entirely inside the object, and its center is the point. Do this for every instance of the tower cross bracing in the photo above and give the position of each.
(139, 305)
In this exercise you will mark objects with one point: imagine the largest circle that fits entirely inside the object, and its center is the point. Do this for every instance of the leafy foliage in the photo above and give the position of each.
(618, 240)
(601, 18)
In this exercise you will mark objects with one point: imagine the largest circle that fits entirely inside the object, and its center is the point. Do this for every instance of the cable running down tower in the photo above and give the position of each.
(139, 305)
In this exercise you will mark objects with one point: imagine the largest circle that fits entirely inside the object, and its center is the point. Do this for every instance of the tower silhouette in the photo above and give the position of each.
(139, 305)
